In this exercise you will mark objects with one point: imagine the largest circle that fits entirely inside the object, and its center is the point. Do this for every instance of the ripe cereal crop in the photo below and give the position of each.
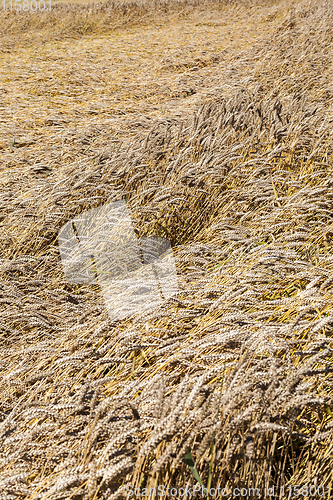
(213, 121)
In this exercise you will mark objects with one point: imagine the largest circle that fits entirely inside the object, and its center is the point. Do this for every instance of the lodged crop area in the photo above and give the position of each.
(213, 120)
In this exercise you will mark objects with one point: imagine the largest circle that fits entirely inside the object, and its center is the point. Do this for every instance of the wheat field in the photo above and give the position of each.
(214, 121)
